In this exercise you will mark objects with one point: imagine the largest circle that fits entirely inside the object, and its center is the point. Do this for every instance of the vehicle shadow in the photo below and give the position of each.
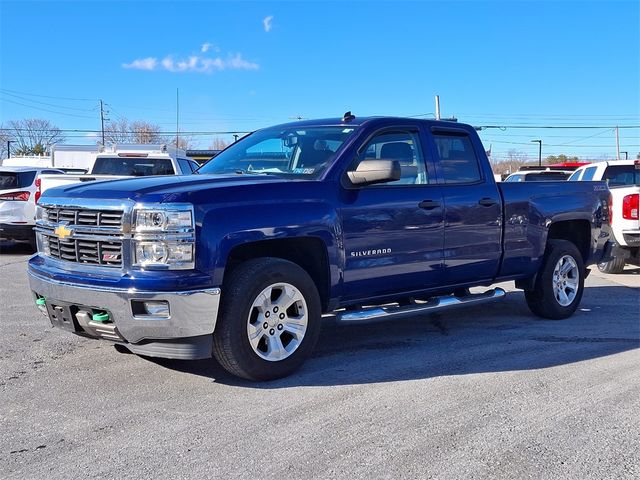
(499, 337)
(16, 248)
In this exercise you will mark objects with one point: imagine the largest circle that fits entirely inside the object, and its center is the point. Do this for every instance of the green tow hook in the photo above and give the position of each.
(100, 317)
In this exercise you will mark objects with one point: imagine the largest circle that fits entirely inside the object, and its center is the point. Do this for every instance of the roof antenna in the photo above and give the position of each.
(348, 116)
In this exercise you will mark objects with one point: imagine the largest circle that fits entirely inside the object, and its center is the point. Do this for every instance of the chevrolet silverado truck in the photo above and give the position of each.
(359, 219)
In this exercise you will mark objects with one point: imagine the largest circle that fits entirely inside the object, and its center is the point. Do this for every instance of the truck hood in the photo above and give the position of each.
(157, 189)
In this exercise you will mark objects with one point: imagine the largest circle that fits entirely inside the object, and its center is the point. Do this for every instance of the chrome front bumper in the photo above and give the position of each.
(191, 313)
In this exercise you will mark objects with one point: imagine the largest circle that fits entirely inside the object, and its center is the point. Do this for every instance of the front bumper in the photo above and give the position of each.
(192, 313)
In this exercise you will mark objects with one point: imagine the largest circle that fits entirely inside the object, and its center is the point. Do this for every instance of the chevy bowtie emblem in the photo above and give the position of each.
(63, 232)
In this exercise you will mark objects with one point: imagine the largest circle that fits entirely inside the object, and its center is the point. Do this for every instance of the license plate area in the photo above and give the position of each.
(62, 316)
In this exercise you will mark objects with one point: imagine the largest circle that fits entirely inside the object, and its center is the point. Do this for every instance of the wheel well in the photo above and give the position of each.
(577, 232)
(308, 252)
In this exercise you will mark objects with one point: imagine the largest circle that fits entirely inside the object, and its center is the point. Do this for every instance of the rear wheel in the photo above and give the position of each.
(615, 265)
(560, 282)
(269, 319)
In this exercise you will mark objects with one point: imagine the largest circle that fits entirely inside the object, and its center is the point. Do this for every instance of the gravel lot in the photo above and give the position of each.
(488, 392)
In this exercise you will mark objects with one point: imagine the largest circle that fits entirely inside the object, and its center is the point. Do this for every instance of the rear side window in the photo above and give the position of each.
(575, 176)
(457, 158)
(10, 180)
(185, 166)
(588, 174)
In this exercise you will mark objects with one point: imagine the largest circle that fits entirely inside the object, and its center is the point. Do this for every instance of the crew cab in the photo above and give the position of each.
(623, 180)
(126, 161)
(360, 219)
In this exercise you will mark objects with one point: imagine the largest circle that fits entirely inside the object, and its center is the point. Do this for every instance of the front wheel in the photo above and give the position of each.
(269, 319)
(560, 282)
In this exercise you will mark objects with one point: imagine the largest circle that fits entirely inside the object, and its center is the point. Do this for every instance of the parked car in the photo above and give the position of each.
(19, 192)
(364, 219)
(623, 179)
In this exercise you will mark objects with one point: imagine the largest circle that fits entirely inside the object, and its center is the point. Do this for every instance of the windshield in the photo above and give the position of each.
(301, 151)
(9, 180)
(135, 167)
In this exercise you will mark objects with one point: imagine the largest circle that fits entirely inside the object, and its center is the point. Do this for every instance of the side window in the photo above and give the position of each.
(457, 158)
(575, 176)
(185, 166)
(403, 146)
(194, 165)
(588, 174)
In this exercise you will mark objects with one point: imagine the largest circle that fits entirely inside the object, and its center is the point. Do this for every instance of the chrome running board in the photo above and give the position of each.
(369, 314)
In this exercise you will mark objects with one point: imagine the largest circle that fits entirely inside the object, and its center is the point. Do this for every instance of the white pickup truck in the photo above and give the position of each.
(623, 179)
(128, 161)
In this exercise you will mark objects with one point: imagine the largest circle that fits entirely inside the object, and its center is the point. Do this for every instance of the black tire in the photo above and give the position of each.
(231, 345)
(615, 265)
(542, 299)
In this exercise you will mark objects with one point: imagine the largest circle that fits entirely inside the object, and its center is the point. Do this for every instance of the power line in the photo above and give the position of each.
(49, 96)
(20, 97)
(46, 109)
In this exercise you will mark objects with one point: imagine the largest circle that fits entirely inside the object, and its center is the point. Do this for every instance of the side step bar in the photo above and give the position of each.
(369, 314)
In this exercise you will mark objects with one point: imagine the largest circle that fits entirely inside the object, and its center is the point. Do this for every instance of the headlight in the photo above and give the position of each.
(163, 220)
(164, 236)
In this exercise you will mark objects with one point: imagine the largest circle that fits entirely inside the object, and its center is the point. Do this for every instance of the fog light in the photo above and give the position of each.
(157, 308)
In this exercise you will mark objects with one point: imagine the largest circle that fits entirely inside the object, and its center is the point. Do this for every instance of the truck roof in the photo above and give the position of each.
(359, 121)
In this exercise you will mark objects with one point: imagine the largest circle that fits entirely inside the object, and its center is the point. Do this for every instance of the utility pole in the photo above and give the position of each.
(8, 148)
(437, 107)
(539, 142)
(617, 143)
(102, 119)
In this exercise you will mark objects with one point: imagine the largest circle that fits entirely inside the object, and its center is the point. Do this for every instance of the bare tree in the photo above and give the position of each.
(219, 144)
(32, 136)
(185, 142)
(513, 161)
(139, 131)
(4, 145)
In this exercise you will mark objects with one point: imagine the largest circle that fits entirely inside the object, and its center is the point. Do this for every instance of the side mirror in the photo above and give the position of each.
(369, 172)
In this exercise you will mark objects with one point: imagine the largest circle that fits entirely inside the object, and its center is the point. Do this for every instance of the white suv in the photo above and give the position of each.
(19, 192)
(623, 179)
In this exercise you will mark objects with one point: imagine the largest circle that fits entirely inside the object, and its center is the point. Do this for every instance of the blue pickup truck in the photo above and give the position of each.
(356, 218)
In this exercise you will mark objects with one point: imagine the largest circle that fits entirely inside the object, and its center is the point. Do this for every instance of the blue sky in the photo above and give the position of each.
(245, 65)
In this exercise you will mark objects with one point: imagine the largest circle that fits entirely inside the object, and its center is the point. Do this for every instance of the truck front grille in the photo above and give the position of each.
(93, 218)
(92, 252)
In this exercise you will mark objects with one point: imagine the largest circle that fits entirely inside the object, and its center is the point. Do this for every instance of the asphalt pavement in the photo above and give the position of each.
(486, 392)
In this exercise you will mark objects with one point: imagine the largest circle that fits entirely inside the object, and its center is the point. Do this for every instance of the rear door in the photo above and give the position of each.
(472, 207)
(393, 232)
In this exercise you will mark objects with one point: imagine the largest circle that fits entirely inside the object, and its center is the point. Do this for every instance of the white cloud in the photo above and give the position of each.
(149, 63)
(193, 63)
(267, 22)
(236, 62)
(205, 47)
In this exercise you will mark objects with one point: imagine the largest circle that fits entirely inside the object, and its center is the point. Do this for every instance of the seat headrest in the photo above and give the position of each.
(396, 151)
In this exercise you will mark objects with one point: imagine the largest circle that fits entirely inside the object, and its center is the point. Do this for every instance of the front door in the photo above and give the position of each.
(393, 232)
